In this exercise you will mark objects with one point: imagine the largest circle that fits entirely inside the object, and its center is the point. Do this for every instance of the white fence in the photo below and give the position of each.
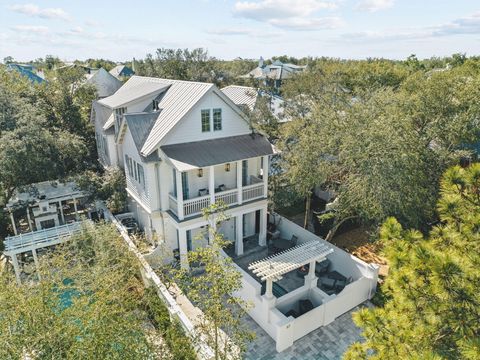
(269, 313)
(203, 350)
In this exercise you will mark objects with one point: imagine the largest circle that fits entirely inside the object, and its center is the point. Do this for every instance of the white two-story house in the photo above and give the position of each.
(185, 145)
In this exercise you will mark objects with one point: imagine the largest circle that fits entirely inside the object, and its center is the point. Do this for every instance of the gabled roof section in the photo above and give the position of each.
(135, 88)
(105, 83)
(241, 95)
(175, 104)
(140, 125)
(121, 70)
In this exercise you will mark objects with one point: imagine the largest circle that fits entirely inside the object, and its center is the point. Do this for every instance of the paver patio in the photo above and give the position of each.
(325, 343)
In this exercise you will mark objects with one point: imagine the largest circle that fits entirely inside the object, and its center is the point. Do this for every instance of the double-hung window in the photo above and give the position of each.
(206, 120)
(217, 119)
(141, 175)
(129, 165)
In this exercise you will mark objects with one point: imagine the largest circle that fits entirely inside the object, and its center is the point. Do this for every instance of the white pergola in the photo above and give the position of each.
(273, 267)
(35, 240)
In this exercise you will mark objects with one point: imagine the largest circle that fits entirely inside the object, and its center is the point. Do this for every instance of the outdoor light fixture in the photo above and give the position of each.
(227, 167)
(200, 172)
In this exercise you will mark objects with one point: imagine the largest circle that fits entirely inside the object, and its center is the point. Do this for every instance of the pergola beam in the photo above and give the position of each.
(273, 267)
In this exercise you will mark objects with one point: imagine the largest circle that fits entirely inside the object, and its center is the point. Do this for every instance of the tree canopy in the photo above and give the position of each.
(432, 309)
(87, 305)
(380, 143)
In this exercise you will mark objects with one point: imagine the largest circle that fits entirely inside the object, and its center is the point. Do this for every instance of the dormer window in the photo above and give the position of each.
(217, 119)
(206, 120)
(155, 105)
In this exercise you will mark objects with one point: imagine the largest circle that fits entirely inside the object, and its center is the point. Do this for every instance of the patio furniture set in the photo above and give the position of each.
(330, 282)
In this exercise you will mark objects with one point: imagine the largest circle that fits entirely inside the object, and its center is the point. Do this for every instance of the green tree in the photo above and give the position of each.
(87, 304)
(31, 150)
(433, 305)
(213, 288)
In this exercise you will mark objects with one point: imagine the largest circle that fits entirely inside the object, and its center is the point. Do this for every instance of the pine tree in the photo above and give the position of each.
(433, 303)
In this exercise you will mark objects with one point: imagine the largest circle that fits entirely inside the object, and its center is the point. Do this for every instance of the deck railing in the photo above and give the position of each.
(251, 192)
(196, 205)
(229, 197)
(172, 201)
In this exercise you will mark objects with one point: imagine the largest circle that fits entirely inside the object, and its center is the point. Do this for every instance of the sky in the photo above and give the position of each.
(353, 29)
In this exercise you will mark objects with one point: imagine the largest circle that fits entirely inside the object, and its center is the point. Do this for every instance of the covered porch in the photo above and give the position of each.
(245, 229)
(232, 170)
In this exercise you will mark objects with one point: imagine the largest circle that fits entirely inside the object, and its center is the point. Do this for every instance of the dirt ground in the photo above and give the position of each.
(357, 242)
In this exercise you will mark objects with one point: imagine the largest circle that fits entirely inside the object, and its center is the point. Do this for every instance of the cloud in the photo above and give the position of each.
(229, 32)
(289, 14)
(45, 13)
(308, 24)
(469, 25)
(374, 5)
(41, 30)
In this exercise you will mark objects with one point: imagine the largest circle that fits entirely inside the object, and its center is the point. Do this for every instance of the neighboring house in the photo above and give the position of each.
(274, 74)
(184, 145)
(27, 71)
(122, 72)
(246, 98)
(105, 83)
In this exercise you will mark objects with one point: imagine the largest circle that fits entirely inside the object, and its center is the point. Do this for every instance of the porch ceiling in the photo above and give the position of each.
(273, 267)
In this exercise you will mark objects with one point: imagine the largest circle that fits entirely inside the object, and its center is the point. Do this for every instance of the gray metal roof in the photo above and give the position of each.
(140, 125)
(105, 83)
(175, 104)
(241, 95)
(193, 155)
(134, 89)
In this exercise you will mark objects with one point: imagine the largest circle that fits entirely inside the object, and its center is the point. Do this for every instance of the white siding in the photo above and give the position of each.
(144, 194)
(190, 127)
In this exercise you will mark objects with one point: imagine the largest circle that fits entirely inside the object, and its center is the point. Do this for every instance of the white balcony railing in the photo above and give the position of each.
(229, 197)
(172, 200)
(196, 205)
(251, 192)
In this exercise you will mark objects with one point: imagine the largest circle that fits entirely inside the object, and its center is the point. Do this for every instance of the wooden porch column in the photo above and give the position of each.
(239, 235)
(262, 236)
(61, 212)
(178, 179)
(211, 183)
(239, 182)
(12, 219)
(16, 267)
(182, 246)
(29, 219)
(265, 176)
(75, 207)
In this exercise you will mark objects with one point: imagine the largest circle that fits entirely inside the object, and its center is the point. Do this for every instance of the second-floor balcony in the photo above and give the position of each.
(217, 186)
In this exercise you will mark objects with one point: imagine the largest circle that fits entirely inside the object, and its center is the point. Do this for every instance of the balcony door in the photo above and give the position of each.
(185, 185)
